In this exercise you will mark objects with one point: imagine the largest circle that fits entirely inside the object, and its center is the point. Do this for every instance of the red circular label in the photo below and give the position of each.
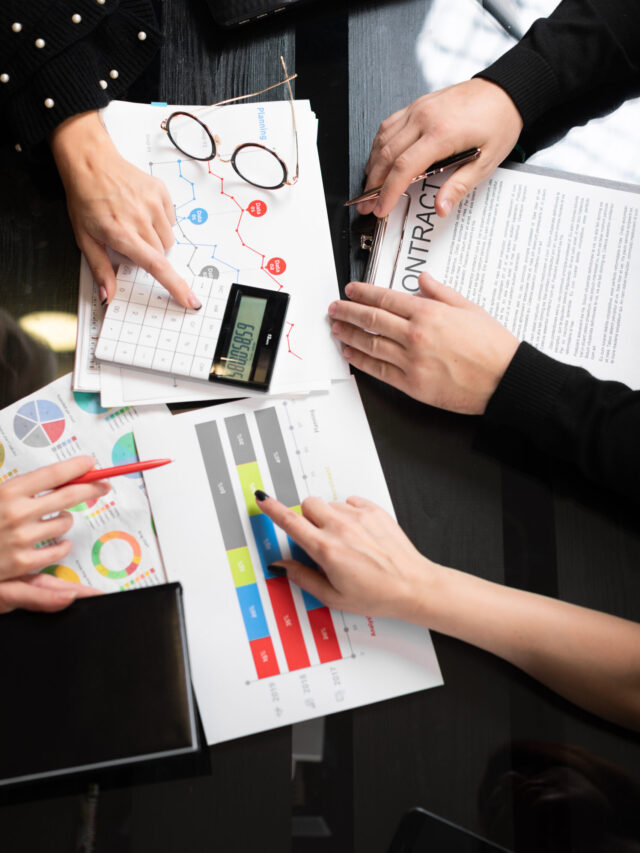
(276, 266)
(257, 208)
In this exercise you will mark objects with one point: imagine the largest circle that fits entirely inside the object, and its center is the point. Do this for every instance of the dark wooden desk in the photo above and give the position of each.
(516, 519)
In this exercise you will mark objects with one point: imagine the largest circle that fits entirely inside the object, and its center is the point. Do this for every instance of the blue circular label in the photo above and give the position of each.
(198, 216)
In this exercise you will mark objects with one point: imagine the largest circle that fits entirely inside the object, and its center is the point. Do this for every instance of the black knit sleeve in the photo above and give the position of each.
(581, 62)
(566, 412)
(62, 57)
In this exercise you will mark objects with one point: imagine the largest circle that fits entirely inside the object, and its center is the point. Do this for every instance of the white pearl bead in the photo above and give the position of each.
(4, 78)
(16, 27)
(49, 102)
(113, 74)
(18, 147)
(142, 35)
(103, 84)
(40, 43)
(100, 2)
(76, 18)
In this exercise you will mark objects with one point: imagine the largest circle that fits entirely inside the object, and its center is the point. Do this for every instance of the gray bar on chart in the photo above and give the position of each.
(220, 484)
(277, 457)
(240, 439)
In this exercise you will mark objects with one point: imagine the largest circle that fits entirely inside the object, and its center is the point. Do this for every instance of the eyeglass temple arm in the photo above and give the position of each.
(261, 92)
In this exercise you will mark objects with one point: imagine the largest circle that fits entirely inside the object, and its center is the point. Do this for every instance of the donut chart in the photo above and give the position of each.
(39, 423)
(116, 536)
(62, 572)
(124, 452)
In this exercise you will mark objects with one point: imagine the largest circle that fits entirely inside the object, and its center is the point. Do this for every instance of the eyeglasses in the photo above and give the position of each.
(254, 163)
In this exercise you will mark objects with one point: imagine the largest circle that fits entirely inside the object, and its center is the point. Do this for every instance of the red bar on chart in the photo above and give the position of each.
(288, 623)
(264, 657)
(324, 634)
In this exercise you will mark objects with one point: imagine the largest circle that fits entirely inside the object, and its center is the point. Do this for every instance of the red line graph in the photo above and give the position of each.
(237, 230)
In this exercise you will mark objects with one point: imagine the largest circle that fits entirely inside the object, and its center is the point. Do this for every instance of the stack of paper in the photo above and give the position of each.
(227, 228)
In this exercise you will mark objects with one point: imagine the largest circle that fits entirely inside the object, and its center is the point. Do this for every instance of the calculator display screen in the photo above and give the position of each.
(238, 359)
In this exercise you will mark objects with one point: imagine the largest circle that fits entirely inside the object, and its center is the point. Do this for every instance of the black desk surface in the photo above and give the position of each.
(515, 519)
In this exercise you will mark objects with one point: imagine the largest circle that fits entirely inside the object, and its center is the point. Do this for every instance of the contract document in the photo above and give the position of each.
(552, 256)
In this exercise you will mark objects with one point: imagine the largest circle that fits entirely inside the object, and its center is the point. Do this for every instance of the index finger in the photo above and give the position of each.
(52, 476)
(299, 528)
(159, 267)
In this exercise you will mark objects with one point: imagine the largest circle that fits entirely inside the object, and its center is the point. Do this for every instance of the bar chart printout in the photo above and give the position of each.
(264, 652)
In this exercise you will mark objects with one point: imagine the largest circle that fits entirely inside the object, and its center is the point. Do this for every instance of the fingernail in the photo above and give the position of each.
(193, 301)
(446, 207)
(336, 328)
(279, 571)
(347, 352)
(102, 294)
(348, 288)
(333, 308)
(260, 495)
(377, 210)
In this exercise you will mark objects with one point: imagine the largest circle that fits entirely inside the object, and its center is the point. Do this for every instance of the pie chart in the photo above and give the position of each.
(39, 423)
(124, 452)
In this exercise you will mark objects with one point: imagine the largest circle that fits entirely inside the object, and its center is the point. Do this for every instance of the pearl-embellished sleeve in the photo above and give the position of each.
(63, 57)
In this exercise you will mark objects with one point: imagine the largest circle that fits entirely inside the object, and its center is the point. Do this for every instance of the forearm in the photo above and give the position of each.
(590, 658)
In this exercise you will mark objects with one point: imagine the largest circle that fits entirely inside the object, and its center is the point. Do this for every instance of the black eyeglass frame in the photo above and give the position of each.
(286, 180)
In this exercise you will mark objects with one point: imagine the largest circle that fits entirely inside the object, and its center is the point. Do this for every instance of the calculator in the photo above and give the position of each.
(232, 339)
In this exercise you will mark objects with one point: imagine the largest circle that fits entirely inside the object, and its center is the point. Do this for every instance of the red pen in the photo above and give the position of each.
(104, 473)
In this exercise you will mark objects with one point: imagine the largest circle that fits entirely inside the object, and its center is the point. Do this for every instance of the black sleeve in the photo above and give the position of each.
(62, 57)
(565, 412)
(581, 62)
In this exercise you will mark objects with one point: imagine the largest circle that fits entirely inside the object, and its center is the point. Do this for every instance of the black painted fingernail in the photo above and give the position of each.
(279, 571)
(104, 301)
(260, 495)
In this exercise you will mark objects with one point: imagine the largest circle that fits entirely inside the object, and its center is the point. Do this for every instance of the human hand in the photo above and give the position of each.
(443, 350)
(368, 564)
(24, 521)
(41, 592)
(473, 114)
(112, 203)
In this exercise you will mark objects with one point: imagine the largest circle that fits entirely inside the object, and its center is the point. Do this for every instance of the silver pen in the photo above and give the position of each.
(506, 14)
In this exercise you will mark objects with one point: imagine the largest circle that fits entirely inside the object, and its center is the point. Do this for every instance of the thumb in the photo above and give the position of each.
(456, 187)
(433, 289)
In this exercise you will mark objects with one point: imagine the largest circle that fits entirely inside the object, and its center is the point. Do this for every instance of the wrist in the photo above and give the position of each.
(78, 139)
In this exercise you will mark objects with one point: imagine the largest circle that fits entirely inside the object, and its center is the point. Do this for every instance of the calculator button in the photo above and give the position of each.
(173, 320)
(143, 356)
(135, 313)
(206, 347)
(167, 340)
(153, 317)
(124, 353)
(211, 328)
(127, 272)
(162, 361)
(130, 333)
(123, 289)
(148, 336)
(105, 349)
(200, 368)
(111, 329)
(201, 286)
(215, 308)
(192, 323)
(181, 364)
(186, 343)
(140, 294)
(117, 310)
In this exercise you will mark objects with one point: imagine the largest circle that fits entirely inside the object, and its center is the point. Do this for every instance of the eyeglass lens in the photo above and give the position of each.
(252, 162)
(191, 136)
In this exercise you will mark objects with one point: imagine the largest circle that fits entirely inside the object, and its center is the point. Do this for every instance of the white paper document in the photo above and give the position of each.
(264, 653)
(555, 260)
(114, 544)
(228, 229)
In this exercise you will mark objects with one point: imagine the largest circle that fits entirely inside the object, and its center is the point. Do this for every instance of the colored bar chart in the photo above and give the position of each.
(278, 589)
(285, 490)
(238, 555)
